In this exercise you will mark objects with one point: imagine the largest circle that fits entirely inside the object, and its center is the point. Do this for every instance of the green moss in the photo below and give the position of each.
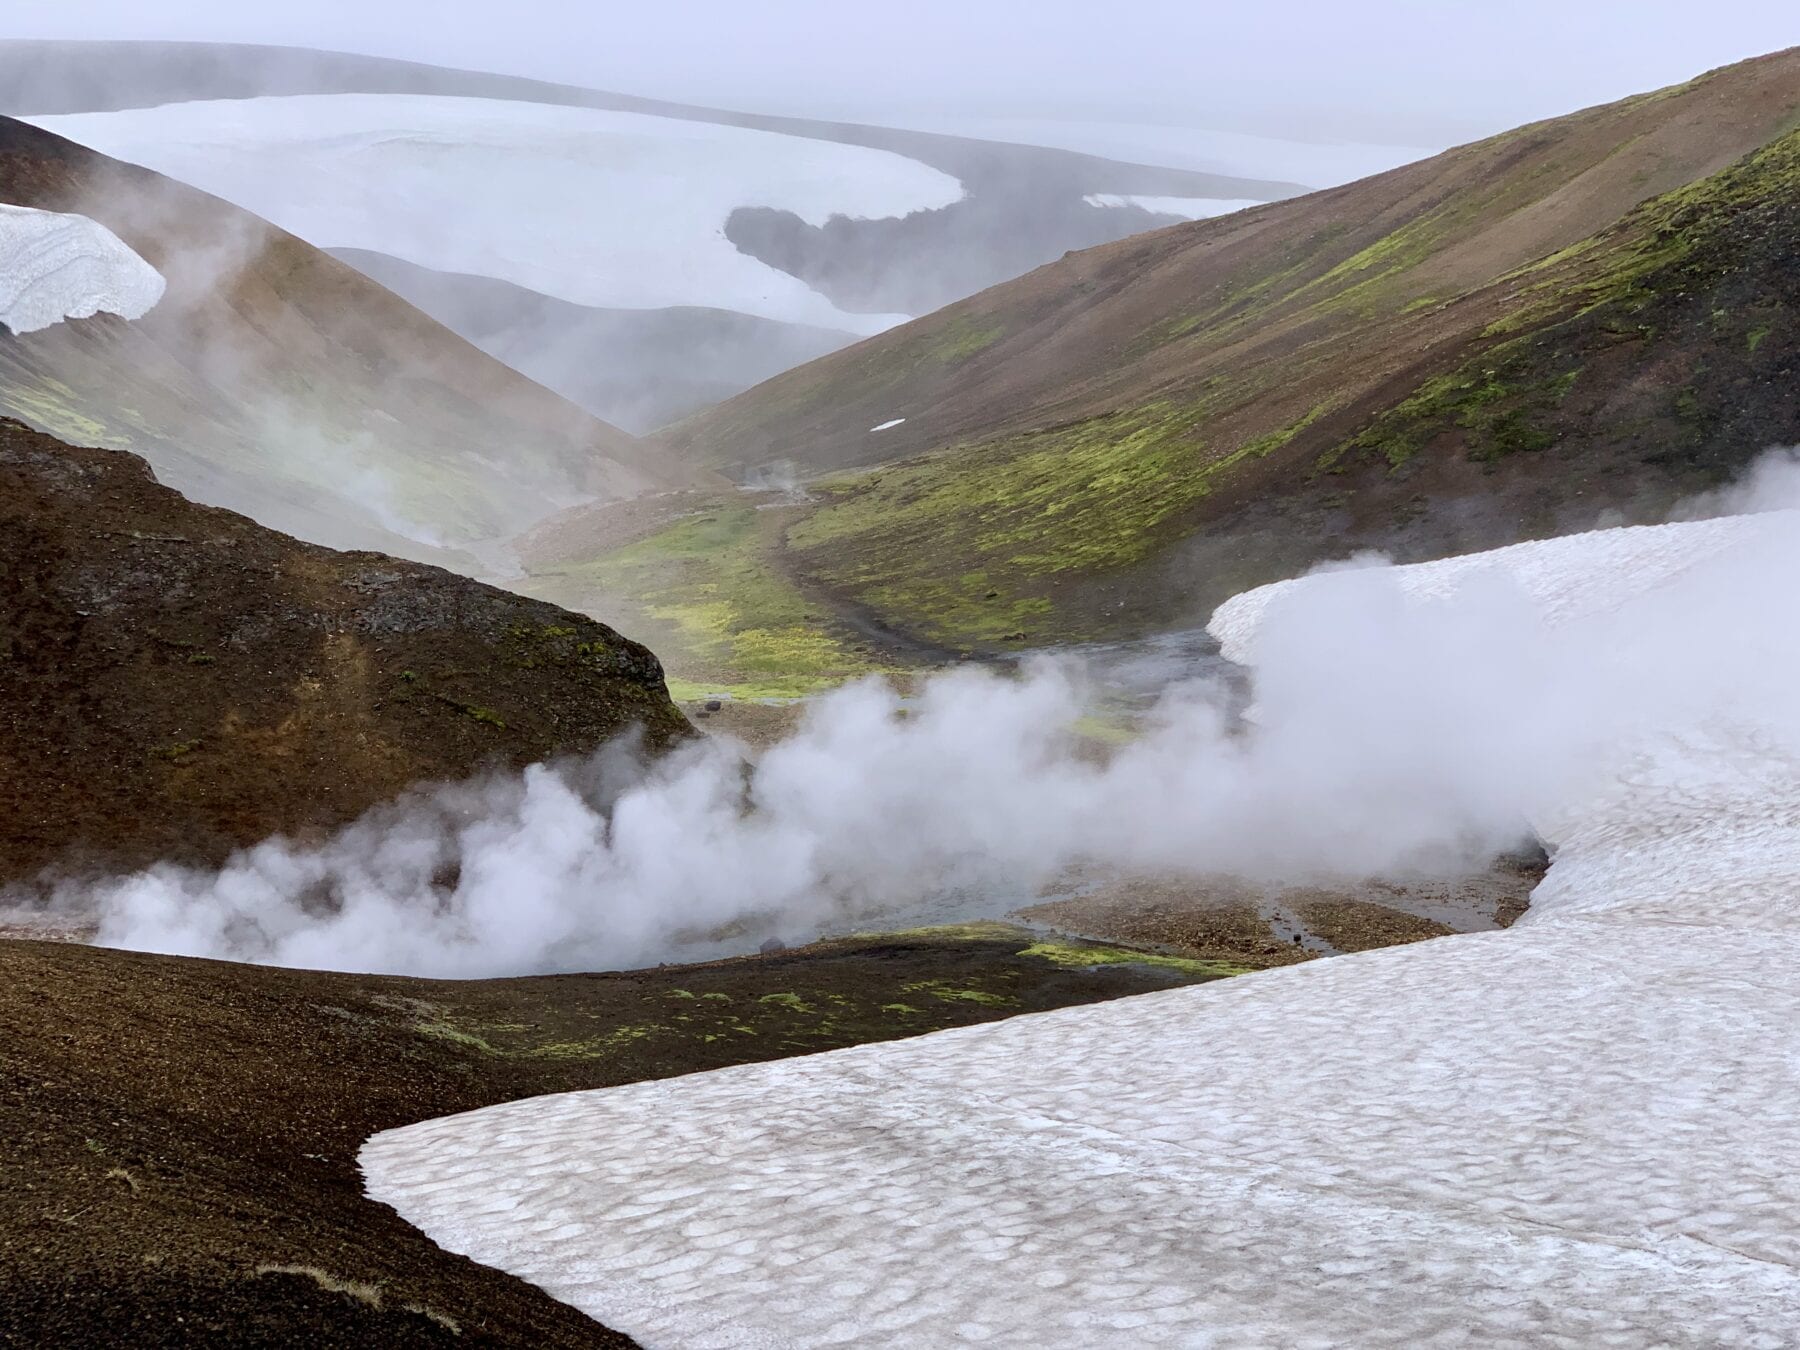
(485, 715)
(706, 593)
(1497, 406)
(593, 1047)
(961, 338)
(1081, 955)
(792, 1002)
(180, 750)
(1754, 338)
(946, 992)
(1005, 518)
(446, 1031)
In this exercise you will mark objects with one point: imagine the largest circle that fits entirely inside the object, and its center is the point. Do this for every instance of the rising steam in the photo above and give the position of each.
(1390, 731)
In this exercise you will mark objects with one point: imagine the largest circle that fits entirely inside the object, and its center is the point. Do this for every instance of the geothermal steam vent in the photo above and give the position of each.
(1576, 1132)
(55, 267)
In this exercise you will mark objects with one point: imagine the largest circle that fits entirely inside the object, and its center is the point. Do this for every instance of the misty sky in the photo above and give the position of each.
(1407, 71)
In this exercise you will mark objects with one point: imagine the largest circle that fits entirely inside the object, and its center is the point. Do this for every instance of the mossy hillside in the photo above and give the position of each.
(788, 1011)
(705, 591)
(1008, 521)
(1699, 284)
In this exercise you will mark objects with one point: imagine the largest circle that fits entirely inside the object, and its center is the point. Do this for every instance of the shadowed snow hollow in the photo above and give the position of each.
(55, 267)
(1577, 1132)
(605, 209)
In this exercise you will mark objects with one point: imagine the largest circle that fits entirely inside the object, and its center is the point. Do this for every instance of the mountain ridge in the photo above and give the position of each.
(1117, 441)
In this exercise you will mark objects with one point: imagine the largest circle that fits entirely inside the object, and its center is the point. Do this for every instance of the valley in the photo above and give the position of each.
(623, 722)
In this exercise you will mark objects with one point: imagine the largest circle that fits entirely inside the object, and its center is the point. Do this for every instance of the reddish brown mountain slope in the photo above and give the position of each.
(177, 681)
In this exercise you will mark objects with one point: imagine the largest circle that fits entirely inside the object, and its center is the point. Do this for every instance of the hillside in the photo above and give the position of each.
(637, 368)
(180, 1137)
(275, 380)
(179, 682)
(1589, 314)
(783, 215)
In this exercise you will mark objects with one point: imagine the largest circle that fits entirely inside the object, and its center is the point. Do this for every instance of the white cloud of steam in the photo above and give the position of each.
(1405, 718)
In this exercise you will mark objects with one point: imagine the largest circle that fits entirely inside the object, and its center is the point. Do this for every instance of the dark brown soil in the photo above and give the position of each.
(177, 681)
(178, 1138)
(1230, 921)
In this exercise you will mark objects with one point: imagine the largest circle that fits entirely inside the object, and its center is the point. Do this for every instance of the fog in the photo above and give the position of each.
(1413, 72)
(1391, 732)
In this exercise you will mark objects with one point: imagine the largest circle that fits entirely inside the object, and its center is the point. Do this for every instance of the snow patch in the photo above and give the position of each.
(888, 425)
(55, 267)
(608, 209)
(1578, 1131)
(1194, 208)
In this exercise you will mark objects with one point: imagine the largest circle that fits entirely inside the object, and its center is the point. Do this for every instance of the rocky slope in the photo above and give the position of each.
(1585, 315)
(275, 380)
(177, 681)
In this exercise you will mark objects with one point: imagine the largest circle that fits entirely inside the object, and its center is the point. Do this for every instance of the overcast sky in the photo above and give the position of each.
(1408, 71)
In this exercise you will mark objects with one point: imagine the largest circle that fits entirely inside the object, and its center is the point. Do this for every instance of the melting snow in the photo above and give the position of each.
(610, 209)
(1194, 208)
(1578, 1132)
(55, 267)
(888, 425)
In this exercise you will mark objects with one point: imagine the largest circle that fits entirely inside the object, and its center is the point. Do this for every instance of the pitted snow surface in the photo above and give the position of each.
(55, 267)
(1579, 1132)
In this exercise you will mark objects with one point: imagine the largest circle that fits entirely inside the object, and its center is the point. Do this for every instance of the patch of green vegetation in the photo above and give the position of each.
(1634, 283)
(1498, 408)
(1263, 446)
(1084, 956)
(704, 592)
(180, 750)
(981, 931)
(1107, 731)
(792, 1002)
(593, 1047)
(1005, 518)
(440, 1030)
(961, 338)
(487, 715)
(202, 659)
(947, 992)
(51, 407)
(1013, 519)
(1662, 242)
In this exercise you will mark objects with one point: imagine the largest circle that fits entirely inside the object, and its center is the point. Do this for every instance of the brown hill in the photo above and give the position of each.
(1118, 440)
(177, 681)
(178, 1138)
(278, 381)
